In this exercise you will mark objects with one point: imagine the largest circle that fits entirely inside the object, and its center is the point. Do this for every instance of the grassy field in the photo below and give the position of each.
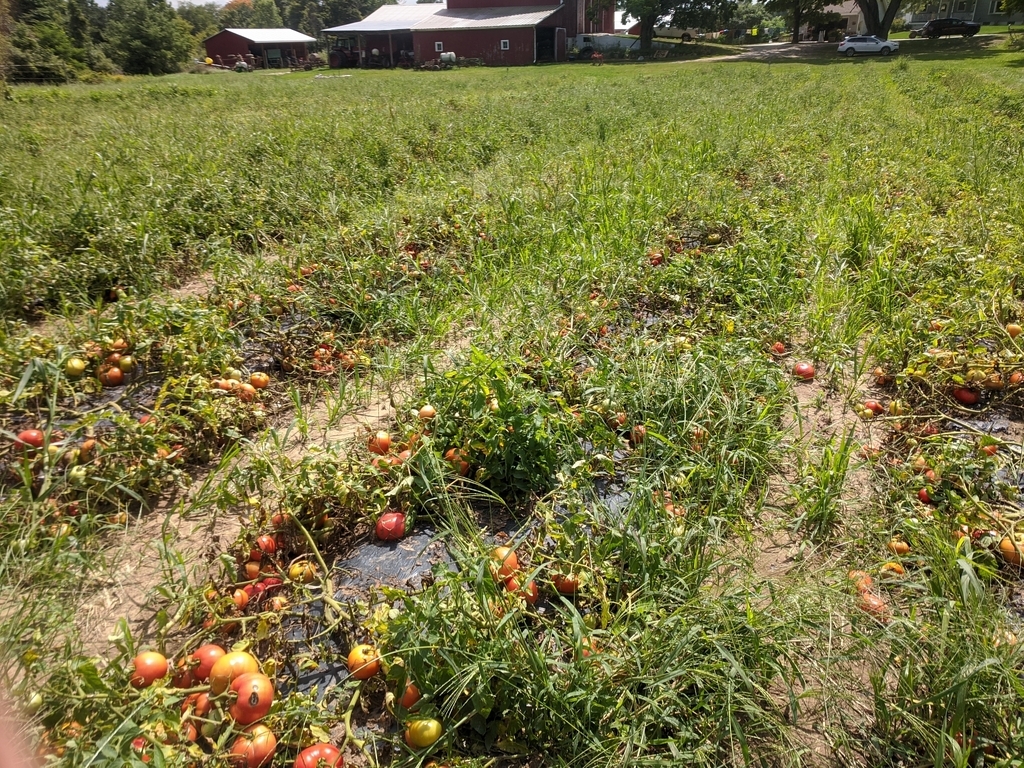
(698, 341)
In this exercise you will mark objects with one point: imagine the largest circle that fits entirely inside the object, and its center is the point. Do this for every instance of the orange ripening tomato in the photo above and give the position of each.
(229, 667)
(527, 592)
(380, 443)
(861, 580)
(410, 696)
(259, 380)
(246, 392)
(505, 563)
(566, 584)
(873, 605)
(363, 662)
(199, 703)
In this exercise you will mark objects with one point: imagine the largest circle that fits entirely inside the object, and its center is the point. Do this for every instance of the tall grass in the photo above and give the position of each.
(598, 241)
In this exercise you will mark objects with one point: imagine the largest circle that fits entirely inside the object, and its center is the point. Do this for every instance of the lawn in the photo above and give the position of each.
(986, 29)
(633, 415)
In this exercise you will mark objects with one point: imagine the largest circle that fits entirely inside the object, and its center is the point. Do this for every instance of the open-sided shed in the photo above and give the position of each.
(269, 47)
(500, 35)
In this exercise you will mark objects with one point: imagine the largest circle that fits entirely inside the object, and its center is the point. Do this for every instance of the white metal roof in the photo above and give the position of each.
(486, 18)
(391, 18)
(272, 35)
(433, 17)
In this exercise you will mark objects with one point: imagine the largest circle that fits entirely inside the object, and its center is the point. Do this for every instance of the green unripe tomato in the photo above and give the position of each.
(420, 734)
(74, 368)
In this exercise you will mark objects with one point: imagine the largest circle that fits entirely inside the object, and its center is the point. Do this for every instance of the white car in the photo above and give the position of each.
(851, 46)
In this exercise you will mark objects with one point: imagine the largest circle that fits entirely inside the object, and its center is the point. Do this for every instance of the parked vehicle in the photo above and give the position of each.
(941, 27)
(851, 46)
(686, 35)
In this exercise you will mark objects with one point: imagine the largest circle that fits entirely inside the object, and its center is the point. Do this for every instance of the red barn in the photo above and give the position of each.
(269, 47)
(516, 33)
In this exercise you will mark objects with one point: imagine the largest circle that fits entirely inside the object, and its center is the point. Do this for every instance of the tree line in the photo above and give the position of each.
(65, 40)
(879, 15)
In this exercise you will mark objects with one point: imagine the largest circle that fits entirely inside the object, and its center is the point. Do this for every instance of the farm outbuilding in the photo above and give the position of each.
(267, 47)
(499, 35)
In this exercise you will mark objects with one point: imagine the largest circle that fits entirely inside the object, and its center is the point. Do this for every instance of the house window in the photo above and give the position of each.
(962, 5)
(504, 45)
(997, 6)
(438, 47)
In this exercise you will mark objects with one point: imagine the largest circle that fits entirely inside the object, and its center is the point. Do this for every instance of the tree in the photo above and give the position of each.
(337, 12)
(237, 14)
(203, 20)
(265, 15)
(312, 20)
(6, 26)
(679, 13)
(146, 37)
(878, 22)
(797, 11)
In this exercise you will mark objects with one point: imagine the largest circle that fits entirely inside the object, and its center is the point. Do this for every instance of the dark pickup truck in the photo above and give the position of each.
(939, 27)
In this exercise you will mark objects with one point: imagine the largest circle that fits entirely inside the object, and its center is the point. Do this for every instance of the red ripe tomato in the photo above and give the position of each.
(778, 348)
(30, 439)
(320, 756)
(924, 496)
(254, 748)
(140, 746)
(380, 443)
(804, 371)
(271, 583)
(391, 526)
(410, 697)
(184, 677)
(111, 376)
(566, 584)
(149, 667)
(874, 406)
(255, 696)
(528, 592)
(206, 656)
(266, 544)
(966, 395)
